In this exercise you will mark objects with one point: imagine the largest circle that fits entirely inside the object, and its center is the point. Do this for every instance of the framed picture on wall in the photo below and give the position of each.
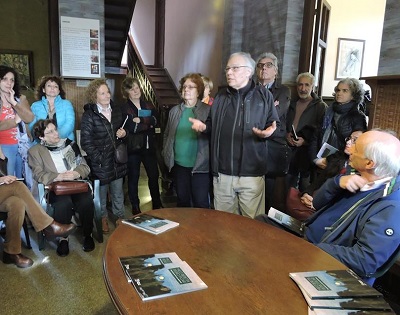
(22, 62)
(349, 60)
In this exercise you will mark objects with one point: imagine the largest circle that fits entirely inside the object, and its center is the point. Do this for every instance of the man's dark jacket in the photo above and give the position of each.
(259, 111)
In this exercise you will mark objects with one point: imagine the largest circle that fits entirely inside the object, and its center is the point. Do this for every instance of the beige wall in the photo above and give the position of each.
(356, 19)
(143, 28)
(24, 26)
(193, 40)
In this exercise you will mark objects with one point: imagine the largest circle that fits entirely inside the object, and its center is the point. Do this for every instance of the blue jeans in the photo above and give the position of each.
(191, 188)
(117, 198)
(149, 160)
(14, 164)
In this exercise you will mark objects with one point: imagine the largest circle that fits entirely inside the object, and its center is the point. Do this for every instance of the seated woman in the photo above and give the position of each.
(16, 199)
(56, 159)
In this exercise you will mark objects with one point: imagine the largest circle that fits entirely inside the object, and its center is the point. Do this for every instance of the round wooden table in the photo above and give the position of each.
(245, 264)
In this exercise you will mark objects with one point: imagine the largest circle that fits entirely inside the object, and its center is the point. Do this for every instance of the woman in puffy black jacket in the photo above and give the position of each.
(344, 116)
(101, 131)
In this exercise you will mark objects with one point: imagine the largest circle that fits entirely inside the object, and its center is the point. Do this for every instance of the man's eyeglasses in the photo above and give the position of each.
(352, 139)
(234, 68)
(262, 65)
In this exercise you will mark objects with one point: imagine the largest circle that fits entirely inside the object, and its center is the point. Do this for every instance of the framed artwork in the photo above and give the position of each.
(349, 60)
(22, 62)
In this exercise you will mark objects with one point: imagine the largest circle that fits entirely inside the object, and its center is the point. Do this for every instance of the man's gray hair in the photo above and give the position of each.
(306, 75)
(270, 56)
(249, 61)
(384, 156)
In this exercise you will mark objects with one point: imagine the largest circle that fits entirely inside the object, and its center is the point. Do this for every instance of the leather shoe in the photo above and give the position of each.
(63, 248)
(136, 210)
(58, 229)
(19, 260)
(88, 244)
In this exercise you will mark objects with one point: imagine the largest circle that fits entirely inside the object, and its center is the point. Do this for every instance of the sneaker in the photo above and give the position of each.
(88, 244)
(63, 248)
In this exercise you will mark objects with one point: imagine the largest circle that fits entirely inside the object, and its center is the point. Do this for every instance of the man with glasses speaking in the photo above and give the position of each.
(242, 116)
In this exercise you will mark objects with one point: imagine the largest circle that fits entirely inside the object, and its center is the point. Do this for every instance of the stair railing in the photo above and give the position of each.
(137, 66)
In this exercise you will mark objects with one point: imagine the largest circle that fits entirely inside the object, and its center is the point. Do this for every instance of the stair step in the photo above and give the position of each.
(163, 85)
(167, 93)
(156, 72)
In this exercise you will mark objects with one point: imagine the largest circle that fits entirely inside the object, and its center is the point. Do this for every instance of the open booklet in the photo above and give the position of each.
(160, 275)
(286, 221)
(150, 223)
(326, 150)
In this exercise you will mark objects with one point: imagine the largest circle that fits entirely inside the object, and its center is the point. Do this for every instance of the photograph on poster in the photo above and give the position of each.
(350, 54)
(94, 68)
(22, 62)
(94, 33)
(94, 44)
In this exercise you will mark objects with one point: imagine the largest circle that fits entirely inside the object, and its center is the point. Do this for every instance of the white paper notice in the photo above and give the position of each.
(80, 47)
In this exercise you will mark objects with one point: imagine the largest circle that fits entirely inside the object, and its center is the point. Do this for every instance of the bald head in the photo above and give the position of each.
(383, 148)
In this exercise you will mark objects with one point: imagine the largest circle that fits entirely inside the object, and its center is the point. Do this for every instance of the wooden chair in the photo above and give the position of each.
(3, 217)
(49, 210)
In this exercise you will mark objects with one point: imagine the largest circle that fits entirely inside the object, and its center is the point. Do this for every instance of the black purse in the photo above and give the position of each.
(3, 166)
(121, 153)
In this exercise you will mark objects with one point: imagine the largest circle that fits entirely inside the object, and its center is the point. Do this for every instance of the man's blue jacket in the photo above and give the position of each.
(368, 236)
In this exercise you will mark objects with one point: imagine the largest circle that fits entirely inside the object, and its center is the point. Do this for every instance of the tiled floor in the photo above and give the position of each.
(55, 285)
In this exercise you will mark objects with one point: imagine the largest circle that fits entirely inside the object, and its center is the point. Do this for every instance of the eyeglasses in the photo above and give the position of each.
(267, 64)
(190, 87)
(50, 132)
(352, 139)
(235, 68)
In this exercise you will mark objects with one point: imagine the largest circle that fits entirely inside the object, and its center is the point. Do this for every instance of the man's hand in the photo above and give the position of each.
(197, 125)
(306, 200)
(352, 183)
(266, 132)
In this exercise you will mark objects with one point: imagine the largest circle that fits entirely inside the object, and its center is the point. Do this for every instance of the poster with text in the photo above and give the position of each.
(80, 47)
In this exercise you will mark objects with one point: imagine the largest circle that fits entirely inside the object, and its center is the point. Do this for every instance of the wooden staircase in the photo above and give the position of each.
(164, 87)
(118, 17)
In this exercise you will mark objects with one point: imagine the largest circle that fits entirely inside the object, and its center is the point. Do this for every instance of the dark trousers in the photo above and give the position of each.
(191, 188)
(149, 160)
(64, 207)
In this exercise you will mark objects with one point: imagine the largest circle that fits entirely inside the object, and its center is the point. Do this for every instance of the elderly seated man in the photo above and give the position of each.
(16, 199)
(357, 217)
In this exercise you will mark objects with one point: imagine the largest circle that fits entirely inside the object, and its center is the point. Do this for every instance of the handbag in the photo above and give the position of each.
(121, 153)
(294, 207)
(278, 157)
(69, 187)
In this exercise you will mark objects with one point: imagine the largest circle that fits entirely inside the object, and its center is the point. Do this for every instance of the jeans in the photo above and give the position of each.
(14, 164)
(149, 160)
(117, 198)
(191, 188)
